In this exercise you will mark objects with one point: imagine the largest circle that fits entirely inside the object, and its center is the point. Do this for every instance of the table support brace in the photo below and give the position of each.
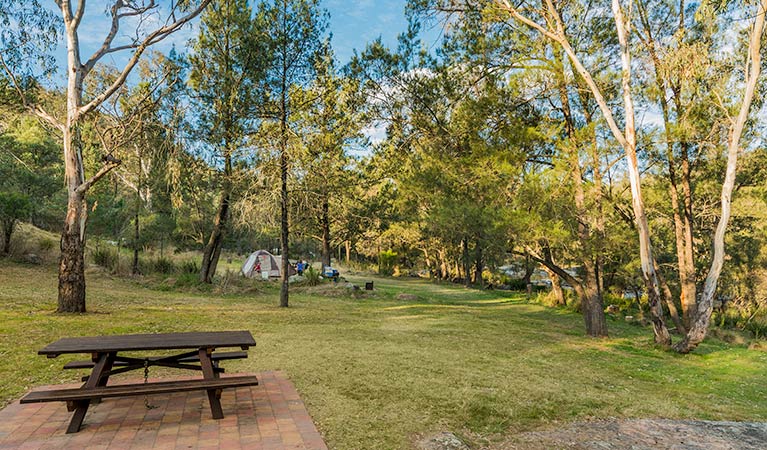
(208, 373)
(98, 377)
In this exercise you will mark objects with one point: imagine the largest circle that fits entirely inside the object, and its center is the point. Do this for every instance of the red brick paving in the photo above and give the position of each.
(268, 416)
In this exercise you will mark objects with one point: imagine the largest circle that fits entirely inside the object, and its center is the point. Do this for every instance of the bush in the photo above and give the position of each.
(105, 257)
(189, 266)
(47, 244)
(312, 276)
(163, 265)
(388, 259)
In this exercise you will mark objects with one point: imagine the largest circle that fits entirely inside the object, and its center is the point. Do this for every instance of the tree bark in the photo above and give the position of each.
(587, 291)
(443, 269)
(284, 224)
(325, 223)
(136, 236)
(478, 264)
(662, 336)
(7, 232)
(465, 261)
(556, 287)
(348, 246)
(213, 247)
(669, 298)
(72, 259)
(137, 229)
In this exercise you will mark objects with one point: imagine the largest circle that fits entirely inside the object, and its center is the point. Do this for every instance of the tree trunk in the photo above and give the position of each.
(325, 223)
(136, 235)
(669, 298)
(587, 291)
(284, 225)
(593, 308)
(556, 287)
(443, 270)
(71, 297)
(457, 270)
(526, 277)
(478, 265)
(466, 263)
(427, 258)
(213, 247)
(662, 336)
(682, 227)
(348, 247)
(7, 232)
(687, 276)
(72, 259)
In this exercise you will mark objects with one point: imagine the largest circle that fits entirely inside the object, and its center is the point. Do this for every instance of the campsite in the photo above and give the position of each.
(410, 224)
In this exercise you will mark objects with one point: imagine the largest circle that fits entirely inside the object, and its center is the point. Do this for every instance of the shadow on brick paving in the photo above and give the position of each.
(646, 434)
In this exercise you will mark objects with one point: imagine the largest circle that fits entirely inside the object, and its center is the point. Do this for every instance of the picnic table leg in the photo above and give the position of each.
(103, 364)
(208, 373)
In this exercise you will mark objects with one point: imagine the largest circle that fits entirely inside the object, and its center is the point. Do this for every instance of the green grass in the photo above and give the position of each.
(376, 372)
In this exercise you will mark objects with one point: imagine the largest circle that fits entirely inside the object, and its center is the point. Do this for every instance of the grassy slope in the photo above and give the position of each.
(376, 372)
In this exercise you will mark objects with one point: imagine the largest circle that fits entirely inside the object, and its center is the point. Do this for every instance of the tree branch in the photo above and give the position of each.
(151, 39)
(110, 162)
(36, 110)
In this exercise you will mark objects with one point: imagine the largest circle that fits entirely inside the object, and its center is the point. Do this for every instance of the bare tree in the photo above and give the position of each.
(27, 19)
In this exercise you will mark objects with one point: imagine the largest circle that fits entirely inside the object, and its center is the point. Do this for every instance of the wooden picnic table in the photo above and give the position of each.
(107, 360)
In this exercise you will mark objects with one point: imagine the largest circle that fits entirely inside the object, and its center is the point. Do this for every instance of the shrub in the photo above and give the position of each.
(163, 265)
(47, 244)
(757, 328)
(105, 257)
(189, 266)
(388, 259)
(312, 276)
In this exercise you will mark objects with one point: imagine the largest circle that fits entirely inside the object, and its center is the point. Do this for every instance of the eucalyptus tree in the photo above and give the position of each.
(29, 33)
(225, 73)
(293, 31)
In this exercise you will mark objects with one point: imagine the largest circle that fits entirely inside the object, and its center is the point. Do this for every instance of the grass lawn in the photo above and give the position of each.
(377, 372)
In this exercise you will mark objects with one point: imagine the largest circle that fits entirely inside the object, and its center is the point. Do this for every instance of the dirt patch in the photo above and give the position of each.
(645, 434)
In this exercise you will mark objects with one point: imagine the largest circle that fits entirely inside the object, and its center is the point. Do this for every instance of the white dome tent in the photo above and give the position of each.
(265, 262)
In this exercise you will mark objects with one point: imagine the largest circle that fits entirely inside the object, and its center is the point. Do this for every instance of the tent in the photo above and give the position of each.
(268, 262)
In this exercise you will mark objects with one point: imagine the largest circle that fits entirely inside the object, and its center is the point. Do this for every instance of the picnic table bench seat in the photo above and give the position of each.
(215, 357)
(123, 390)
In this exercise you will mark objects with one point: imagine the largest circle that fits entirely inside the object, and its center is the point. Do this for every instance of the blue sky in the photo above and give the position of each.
(352, 23)
(355, 23)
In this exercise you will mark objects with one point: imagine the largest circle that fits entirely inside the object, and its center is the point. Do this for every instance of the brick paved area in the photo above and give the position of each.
(646, 434)
(270, 416)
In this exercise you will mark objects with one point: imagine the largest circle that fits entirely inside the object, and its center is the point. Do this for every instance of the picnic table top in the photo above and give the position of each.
(158, 341)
